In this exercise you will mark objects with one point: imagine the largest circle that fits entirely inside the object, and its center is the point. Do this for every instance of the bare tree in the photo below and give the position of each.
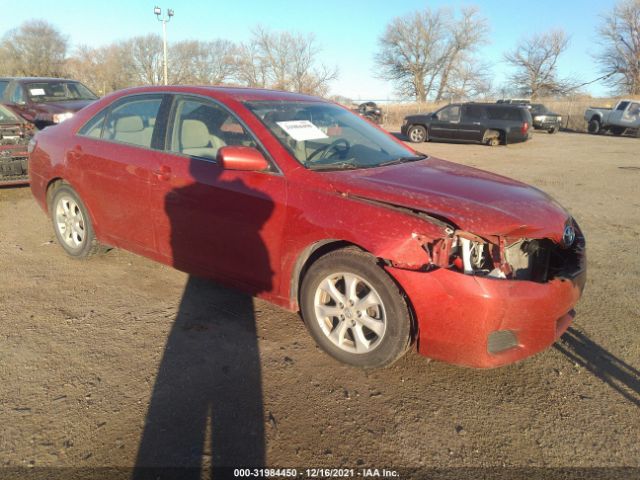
(145, 60)
(620, 36)
(421, 52)
(465, 37)
(284, 61)
(207, 63)
(535, 63)
(36, 48)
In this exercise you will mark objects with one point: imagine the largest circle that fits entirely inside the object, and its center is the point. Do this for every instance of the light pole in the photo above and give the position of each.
(158, 12)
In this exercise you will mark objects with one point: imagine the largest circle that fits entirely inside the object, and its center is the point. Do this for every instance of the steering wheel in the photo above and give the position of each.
(325, 149)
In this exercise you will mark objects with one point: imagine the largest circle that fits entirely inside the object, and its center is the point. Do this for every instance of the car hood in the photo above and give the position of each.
(473, 200)
(61, 107)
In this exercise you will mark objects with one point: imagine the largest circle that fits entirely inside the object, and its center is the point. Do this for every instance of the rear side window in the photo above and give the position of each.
(622, 105)
(473, 111)
(132, 120)
(505, 113)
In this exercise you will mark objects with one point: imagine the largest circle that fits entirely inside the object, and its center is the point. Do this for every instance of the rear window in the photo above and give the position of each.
(505, 113)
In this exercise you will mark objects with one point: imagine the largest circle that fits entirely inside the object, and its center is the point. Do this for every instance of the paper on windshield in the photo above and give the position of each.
(301, 130)
(36, 91)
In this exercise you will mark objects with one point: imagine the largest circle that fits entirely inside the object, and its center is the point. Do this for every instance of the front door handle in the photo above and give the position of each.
(163, 173)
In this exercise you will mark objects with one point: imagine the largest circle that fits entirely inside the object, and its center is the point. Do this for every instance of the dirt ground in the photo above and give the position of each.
(119, 361)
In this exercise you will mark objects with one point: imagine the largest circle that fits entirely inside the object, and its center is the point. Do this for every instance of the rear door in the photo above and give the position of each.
(445, 124)
(470, 128)
(114, 158)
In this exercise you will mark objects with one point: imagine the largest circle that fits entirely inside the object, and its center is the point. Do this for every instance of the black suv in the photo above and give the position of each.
(545, 119)
(488, 123)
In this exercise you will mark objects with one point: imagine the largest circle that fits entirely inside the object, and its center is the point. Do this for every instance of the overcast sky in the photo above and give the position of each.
(346, 30)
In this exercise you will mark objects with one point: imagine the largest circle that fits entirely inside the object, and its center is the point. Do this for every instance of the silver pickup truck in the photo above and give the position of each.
(625, 115)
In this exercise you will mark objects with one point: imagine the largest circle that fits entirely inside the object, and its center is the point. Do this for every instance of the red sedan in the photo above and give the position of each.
(299, 201)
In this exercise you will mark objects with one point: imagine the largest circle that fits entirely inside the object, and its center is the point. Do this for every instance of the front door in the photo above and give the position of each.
(223, 224)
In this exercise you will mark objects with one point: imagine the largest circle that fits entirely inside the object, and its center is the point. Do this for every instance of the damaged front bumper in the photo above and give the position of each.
(13, 165)
(485, 304)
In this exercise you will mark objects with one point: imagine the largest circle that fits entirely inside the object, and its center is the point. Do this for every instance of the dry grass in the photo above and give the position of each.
(572, 110)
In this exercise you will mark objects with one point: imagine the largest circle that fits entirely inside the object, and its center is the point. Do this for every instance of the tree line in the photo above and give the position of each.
(280, 60)
(431, 54)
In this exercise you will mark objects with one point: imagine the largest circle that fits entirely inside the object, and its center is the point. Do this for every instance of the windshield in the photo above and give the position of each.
(538, 108)
(324, 136)
(58, 91)
(7, 116)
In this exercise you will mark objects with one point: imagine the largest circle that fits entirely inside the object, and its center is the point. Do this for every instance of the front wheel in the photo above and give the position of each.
(354, 311)
(417, 134)
(71, 223)
(552, 130)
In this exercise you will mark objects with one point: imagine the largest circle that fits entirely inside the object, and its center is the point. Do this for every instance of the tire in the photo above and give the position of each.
(594, 126)
(336, 323)
(417, 134)
(552, 130)
(618, 130)
(72, 224)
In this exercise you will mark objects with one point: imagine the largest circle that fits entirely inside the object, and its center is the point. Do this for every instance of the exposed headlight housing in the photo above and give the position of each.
(61, 117)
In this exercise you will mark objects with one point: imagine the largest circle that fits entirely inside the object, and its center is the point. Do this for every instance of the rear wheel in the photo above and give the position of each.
(354, 311)
(71, 223)
(595, 126)
(417, 134)
(492, 138)
(618, 130)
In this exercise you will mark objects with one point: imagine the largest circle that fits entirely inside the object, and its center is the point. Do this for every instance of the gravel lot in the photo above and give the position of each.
(119, 361)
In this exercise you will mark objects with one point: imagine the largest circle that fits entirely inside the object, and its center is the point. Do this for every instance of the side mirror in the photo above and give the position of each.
(242, 158)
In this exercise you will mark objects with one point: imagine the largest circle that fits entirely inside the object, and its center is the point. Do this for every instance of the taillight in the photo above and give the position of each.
(524, 128)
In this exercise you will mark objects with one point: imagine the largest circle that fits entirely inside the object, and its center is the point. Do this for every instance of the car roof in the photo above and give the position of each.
(37, 79)
(241, 94)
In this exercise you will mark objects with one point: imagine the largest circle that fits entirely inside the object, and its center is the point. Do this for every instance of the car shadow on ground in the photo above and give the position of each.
(620, 376)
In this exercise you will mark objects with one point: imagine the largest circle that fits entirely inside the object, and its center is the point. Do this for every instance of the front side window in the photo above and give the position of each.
(449, 114)
(325, 136)
(132, 120)
(18, 95)
(201, 128)
(3, 87)
(58, 91)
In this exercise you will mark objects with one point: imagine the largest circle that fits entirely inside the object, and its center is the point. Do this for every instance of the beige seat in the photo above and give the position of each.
(196, 140)
(131, 129)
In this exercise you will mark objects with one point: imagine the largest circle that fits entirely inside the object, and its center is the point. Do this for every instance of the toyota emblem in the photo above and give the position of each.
(568, 236)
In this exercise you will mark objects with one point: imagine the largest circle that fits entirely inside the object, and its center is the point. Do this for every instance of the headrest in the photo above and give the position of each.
(132, 123)
(195, 134)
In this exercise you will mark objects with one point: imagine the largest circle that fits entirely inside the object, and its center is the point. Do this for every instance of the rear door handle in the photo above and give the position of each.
(163, 173)
(476, 123)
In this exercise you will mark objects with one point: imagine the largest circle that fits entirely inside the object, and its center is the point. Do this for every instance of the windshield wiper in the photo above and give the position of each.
(402, 160)
(335, 166)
